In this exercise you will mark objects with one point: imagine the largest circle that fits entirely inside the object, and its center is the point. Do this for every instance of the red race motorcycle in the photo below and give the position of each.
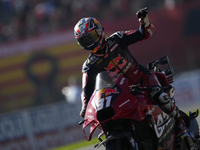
(128, 119)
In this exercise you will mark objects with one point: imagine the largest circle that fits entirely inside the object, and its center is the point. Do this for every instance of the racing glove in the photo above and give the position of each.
(142, 16)
(83, 110)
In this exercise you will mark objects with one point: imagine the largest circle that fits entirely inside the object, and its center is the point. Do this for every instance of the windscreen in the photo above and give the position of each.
(104, 80)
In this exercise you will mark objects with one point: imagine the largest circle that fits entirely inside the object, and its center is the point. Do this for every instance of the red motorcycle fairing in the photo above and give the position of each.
(118, 103)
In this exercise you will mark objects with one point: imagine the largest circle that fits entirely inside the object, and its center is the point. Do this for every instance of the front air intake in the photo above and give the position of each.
(105, 114)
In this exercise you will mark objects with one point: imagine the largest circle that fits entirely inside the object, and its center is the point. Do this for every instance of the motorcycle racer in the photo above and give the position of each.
(112, 55)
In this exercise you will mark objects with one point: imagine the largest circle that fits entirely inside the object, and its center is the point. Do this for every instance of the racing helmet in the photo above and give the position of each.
(89, 34)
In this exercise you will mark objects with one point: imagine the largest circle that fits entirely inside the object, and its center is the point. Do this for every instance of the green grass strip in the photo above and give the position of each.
(78, 144)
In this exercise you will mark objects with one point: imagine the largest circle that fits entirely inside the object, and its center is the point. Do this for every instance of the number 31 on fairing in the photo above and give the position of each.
(98, 104)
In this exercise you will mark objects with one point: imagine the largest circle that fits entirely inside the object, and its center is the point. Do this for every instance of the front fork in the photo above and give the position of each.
(117, 135)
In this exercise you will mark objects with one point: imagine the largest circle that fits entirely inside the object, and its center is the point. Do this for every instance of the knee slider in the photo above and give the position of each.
(155, 92)
(164, 98)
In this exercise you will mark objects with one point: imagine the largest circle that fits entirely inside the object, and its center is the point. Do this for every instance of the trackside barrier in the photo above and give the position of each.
(187, 89)
(41, 128)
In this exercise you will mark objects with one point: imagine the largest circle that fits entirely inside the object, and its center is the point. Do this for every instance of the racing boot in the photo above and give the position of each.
(163, 100)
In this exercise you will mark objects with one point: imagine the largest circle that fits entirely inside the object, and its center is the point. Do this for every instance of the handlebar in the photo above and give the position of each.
(162, 61)
(135, 89)
(81, 122)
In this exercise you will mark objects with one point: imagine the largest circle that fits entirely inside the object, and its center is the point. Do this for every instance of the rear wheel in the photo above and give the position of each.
(192, 125)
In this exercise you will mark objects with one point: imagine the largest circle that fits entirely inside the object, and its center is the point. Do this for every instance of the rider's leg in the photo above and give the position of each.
(163, 100)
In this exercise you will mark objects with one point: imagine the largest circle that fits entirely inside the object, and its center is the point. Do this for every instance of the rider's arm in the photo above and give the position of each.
(88, 84)
(145, 30)
(130, 37)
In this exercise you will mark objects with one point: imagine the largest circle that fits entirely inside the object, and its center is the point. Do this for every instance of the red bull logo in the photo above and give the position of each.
(116, 64)
(117, 59)
(110, 91)
(113, 63)
(110, 67)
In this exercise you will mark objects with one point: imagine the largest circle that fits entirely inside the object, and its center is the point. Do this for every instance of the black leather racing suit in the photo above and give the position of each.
(117, 52)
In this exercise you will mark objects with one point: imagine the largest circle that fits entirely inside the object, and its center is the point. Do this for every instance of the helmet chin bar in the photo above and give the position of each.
(100, 49)
(101, 46)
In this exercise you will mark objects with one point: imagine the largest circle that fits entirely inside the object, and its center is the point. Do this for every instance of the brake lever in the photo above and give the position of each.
(136, 88)
(81, 122)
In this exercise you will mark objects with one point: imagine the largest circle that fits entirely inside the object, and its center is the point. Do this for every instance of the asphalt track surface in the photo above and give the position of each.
(92, 148)
(103, 148)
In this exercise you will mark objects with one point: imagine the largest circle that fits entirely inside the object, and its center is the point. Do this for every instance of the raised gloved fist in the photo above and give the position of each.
(142, 12)
(142, 16)
(83, 110)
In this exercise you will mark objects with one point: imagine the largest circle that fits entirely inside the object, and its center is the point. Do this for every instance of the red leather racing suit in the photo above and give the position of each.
(117, 54)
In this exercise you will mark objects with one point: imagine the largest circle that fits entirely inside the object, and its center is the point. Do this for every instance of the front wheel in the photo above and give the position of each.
(120, 144)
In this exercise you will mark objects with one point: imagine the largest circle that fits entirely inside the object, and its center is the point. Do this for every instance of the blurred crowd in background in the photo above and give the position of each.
(20, 19)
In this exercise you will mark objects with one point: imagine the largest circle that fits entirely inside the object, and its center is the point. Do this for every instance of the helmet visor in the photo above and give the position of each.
(88, 40)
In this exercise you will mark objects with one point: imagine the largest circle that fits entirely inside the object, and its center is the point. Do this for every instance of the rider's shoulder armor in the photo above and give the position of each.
(114, 38)
(119, 34)
(89, 62)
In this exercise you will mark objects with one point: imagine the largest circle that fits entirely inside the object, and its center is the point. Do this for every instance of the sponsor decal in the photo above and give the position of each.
(149, 112)
(150, 32)
(94, 60)
(160, 130)
(162, 119)
(129, 32)
(169, 143)
(114, 47)
(91, 117)
(126, 68)
(160, 126)
(108, 91)
(136, 71)
(99, 61)
(122, 81)
(116, 64)
(110, 43)
(124, 103)
(166, 133)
